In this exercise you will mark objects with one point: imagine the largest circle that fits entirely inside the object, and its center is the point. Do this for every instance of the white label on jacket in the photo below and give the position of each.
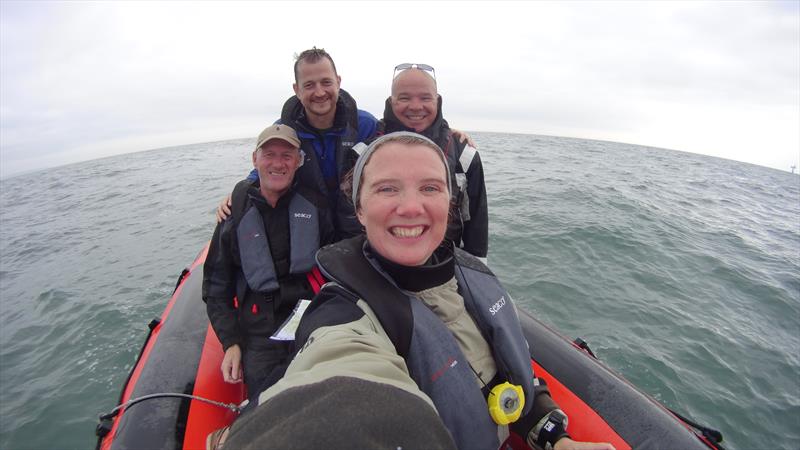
(289, 327)
(499, 304)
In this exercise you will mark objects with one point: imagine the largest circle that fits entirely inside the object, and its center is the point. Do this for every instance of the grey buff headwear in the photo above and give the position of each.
(358, 169)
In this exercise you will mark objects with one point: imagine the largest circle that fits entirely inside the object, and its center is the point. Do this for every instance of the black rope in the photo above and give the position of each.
(709, 433)
(105, 419)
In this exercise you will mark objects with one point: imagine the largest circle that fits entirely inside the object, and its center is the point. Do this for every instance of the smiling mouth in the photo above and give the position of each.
(273, 172)
(416, 117)
(407, 232)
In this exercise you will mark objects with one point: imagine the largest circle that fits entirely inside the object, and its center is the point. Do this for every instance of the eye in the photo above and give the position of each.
(386, 189)
(431, 188)
(308, 85)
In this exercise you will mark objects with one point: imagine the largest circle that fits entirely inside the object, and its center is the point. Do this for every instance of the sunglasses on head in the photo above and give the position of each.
(405, 66)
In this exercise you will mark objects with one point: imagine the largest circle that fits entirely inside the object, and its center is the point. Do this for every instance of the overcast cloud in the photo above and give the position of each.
(85, 80)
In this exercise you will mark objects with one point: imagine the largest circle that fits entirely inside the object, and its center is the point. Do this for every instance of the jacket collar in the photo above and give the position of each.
(294, 114)
(439, 269)
(258, 200)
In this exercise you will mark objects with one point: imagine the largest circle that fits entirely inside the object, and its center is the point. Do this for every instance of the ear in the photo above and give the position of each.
(339, 80)
(360, 216)
(296, 89)
(254, 157)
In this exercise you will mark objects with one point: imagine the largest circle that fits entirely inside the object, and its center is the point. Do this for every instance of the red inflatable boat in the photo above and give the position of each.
(175, 396)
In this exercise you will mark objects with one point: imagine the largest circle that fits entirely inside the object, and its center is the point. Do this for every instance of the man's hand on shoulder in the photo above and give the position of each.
(224, 209)
(463, 137)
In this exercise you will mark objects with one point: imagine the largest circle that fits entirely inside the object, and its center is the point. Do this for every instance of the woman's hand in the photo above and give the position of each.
(232, 364)
(566, 443)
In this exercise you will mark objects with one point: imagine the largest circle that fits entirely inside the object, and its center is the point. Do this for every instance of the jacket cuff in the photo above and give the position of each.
(542, 406)
(230, 342)
(543, 403)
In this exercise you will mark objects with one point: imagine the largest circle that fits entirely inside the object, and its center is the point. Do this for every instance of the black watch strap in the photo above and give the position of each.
(552, 430)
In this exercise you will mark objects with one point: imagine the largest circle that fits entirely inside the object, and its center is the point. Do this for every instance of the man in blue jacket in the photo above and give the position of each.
(329, 124)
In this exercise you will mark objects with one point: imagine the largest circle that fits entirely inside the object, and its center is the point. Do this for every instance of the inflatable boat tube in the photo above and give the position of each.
(179, 365)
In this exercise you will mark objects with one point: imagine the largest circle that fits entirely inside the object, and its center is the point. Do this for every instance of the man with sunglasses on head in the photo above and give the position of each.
(328, 124)
(415, 105)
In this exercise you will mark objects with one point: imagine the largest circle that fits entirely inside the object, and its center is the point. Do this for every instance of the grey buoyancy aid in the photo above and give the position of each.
(432, 355)
(254, 252)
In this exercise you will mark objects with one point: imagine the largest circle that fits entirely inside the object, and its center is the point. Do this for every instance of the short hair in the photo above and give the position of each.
(394, 80)
(311, 56)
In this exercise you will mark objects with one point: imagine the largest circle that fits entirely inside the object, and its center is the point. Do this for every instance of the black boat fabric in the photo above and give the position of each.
(171, 366)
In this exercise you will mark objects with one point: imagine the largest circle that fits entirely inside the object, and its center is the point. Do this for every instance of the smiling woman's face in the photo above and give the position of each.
(404, 202)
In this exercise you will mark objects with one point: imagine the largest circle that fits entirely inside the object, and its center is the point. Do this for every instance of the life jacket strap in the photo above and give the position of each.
(315, 279)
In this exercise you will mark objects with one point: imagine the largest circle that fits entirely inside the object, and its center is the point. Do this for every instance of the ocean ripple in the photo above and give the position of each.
(680, 270)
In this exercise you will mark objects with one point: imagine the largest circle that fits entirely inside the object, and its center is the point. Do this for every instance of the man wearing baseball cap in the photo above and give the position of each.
(259, 258)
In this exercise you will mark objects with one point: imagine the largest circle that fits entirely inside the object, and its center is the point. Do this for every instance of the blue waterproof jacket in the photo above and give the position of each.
(330, 154)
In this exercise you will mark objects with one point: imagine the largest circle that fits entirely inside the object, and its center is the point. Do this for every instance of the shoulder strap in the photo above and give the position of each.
(449, 144)
(345, 263)
(315, 279)
(467, 259)
(239, 200)
(290, 110)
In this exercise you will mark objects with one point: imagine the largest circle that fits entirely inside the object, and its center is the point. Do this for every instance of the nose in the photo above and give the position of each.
(415, 104)
(410, 205)
(319, 91)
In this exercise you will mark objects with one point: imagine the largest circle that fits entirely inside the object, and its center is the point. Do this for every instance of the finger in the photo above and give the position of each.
(226, 373)
(237, 370)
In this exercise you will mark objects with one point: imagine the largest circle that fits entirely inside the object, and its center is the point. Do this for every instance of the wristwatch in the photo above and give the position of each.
(553, 429)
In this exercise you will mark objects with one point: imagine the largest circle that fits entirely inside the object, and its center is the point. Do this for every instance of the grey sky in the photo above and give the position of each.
(86, 80)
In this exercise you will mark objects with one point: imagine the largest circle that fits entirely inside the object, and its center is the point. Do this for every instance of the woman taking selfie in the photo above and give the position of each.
(407, 309)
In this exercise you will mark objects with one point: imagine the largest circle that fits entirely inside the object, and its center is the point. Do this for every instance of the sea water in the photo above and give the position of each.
(681, 271)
